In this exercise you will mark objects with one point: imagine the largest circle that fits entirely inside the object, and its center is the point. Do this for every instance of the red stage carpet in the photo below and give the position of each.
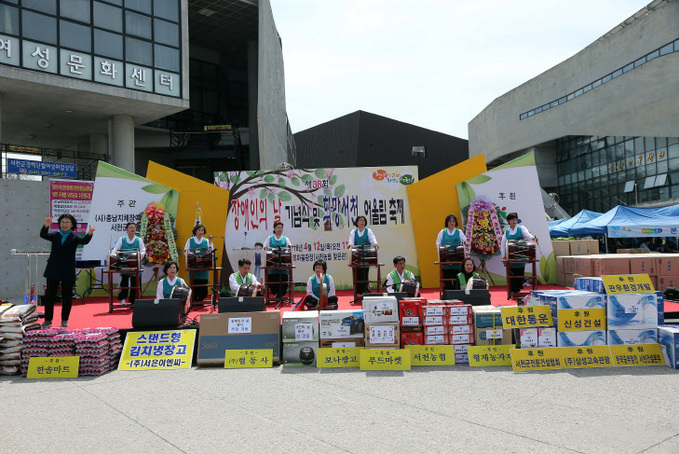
(94, 313)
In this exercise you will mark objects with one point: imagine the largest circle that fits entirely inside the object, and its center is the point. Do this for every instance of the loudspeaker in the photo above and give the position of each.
(158, 313)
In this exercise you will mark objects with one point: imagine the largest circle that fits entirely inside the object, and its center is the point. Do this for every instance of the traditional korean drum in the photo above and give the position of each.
(363, 255)
(279, 258)
(247, 290)
(521, 250)
(451, 253)
(123, 259)
(200, 258)
(410, 287)
(182, 293)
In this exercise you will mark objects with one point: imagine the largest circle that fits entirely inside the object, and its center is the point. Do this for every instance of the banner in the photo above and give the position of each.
(648, 231)
(53, 169)
(71, 197)
(485, 201)
(318, 208)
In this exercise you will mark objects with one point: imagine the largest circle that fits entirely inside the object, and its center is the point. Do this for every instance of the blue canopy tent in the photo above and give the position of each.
(562, 227)
(622, 221)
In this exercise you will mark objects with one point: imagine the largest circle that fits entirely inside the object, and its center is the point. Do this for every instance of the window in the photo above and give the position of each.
(39, 27)
(75, 9)
(106, 16)
(166, 32)
(652, 55)
(666, 49)
(166, 58)
(139, 5)
(46, 6)
(75, 36)
(9, 20)
(108, 44)
(137, 25)
(166, 9)
(138, 51)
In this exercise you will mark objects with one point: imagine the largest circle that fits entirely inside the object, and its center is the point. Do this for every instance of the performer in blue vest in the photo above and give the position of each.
(398, 276)
(126, 244)
(313, 287)
(277, 279)
(467, 271)
(513, 233)
(450, 236)
(198, 242)
(243, 277)
(362, 236)
(165, 285)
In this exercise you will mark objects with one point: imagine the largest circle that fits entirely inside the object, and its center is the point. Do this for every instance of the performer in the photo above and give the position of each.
(450, 236)
(258, 258)
(195, 243)
(362, 236)
(277, 279)
(61, 265)
(126, 244)
(243, 276)
(165, 285)
(467, 271)
(313, 287)
(400, 274)
(515, 232)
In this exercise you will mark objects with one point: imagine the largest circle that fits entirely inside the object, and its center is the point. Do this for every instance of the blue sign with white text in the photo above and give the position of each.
(53, 169)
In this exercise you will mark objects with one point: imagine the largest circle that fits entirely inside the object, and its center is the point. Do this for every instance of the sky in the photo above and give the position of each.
(432, 63)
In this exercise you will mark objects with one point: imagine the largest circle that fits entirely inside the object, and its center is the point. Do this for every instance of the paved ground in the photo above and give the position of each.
(295, 410)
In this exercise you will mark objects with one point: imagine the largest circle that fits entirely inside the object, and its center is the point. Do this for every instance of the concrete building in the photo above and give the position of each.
(603, 124)
(363, 139)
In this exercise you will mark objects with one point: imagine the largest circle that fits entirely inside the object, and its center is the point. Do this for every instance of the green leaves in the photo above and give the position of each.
(171, 201)
(155, 188)
(548, 268)
(339, 190)
(320, 173)
(281, 183)
(295, 181)
(235, 178)
(465, 193)
(333, 179)
(107, 170)
(284, 196)
(223, 176)
(479, 179)
(269, 179)
(262, 193)
(306, 177)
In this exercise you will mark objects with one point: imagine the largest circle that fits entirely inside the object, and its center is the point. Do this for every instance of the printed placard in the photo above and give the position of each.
(384, 359)
(241, 325)
(158, 350)
(431, 355)
(489, 355)
(494, 333)
(303, 332)
(561, 358)
(338, 357)
(248, 359)
(526, 316)
(637, 355)
(582, 319)
(627, 283)
(53, 366)
(382, 334)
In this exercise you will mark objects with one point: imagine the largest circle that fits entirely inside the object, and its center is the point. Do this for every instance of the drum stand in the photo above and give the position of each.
(532, 278)
(213, 287)
(137, 277)
(290, 294)
(363, 263)
(442, 280)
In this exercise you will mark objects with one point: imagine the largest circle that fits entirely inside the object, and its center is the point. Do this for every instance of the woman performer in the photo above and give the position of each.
(467, 271)
(362, 236)
(451, 236)
(277, 279)
(313, 287)
(200, 278)
(126, 244)
(165, 285)
(61, 265)
(515, 232)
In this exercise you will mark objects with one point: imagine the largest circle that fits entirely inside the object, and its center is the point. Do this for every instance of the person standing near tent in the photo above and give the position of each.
(513, 233)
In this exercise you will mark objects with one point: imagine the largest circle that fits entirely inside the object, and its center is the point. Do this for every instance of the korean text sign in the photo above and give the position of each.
(158, 350)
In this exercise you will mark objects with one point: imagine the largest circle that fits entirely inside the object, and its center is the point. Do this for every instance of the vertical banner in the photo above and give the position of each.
(485, 201)
(71, 197)
(318, 208)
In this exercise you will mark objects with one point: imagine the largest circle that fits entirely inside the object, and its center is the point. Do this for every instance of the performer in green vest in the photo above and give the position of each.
(125, 245)
(450, 236)
(362, 236)
(165, 285)
(400, 274)
(243, 277)
(513, 233)
(468, 271)
(313, 287)
(198, 243)
(277, 280)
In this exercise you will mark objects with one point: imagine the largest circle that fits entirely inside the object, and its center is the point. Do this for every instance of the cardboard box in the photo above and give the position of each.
(412, 338)
(568, 264)
(300, 353)
(409, 312)
(342, 342)
(488, 336)
(667, 264)
(642, 264)
(434, 320)
(668, 338)
(436, 330)
(661, 307)
(579, 247)
(382, 335)
(461, 348)
(583, 266)
(455, 339)
(236, 331)
(664, 282)
(581, 338)
(632, 336)
(300, 326)
(632, 311)
(380, 310)
(528, 337)
(561, 279)
(461, 358)
(559, 264)
(561, 248)
(460, 309)
(612, 264)
(338, 324)
(433, 310)
(461, 329)
(487, 316)
(436, 339)
(593, 246)
(546, 337)
(460, 319)
(590, 284)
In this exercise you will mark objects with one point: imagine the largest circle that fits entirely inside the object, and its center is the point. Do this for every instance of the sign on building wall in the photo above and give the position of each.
(43, 168)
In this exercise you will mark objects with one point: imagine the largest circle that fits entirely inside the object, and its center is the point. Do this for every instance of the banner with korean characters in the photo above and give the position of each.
(318, 208)
(489, 355)
(384, 359)
(584, 357)
(525, 316)
(71, 197)
(53, 367)
(485, 201)
(338, 357)
(158, 350)
(431, 355)
(120, 197)
(43, 168)
(248, 359)
(627, 283)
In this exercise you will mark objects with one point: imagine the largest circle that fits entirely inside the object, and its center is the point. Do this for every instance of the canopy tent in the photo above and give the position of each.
(561, 227)
(625, 222)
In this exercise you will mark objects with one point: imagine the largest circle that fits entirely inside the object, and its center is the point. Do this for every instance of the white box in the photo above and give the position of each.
(337, 324)
(581, 338)
(632, 311)
(546, 337)
(668, 338)
(529, 337)
(461, 348)
(380, 309)
(632, 336)
(300, 326)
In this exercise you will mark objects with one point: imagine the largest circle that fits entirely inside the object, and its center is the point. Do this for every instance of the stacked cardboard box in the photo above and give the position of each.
(300, 335)
(342, 329)
(580, 316)
(460, 329)
(381, 322)
(668, 337)
(411, 321)
(435, 323)
(667, 271)
(632, 318)
(487, 321)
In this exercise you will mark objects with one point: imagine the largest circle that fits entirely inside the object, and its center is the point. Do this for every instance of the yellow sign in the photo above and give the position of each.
(627, 283)
(384, 359)
(53, 367)
(637, 355)
(338, 357)
(431, 355)
(158, 350)
(217, 128)
(247, 359)
(561, 358)
(526, 316)
(582, 319)
(22, 149)
(490, 355)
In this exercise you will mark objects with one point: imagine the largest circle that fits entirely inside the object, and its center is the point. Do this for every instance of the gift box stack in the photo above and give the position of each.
(14, 322)
(381, 322)
(580, 316)
(460, 329)
(488, 329)
(300, 338)
(342, 329)
(410, 317)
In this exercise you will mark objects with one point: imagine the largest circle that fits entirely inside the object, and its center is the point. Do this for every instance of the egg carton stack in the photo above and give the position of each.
(38, 343)
(93, 348)
(14, 321)
(115, 345)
